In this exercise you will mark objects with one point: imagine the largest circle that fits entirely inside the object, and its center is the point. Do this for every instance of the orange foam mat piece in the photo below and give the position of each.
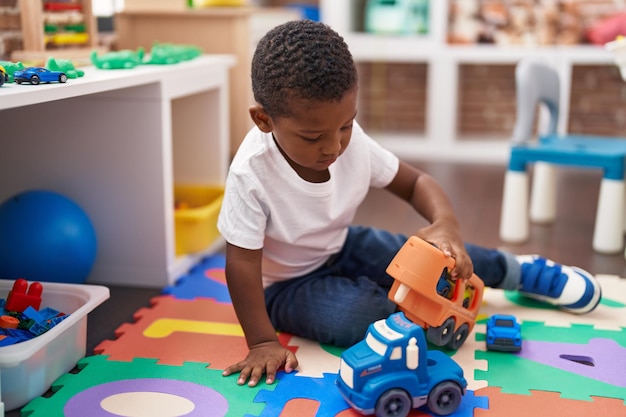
(300, 407)
(175, 331)
(546, 404)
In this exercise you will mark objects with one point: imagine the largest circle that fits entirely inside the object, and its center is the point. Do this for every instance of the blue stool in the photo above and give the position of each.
(538, 83)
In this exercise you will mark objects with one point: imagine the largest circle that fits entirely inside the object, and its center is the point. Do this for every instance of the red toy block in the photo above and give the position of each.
(22, 296)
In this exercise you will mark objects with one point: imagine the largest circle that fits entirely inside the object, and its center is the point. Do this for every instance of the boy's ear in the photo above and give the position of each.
(260, 118)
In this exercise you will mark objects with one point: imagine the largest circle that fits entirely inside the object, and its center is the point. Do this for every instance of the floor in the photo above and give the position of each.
(475, 192)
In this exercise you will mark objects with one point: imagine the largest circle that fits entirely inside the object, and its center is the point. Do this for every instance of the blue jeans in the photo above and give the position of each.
(335, 303)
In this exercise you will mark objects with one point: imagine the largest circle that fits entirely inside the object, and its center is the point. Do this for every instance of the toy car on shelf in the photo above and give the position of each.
(391, 371)
(36, 75)
(504, 333)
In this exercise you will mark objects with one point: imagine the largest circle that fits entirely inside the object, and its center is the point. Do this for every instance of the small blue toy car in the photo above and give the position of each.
(36, 75)
(504, 333)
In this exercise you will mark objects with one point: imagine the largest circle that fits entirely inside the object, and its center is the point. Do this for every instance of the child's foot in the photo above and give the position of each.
(568, 287)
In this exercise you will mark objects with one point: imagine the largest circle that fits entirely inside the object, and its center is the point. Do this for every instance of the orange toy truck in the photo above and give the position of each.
(424, 290)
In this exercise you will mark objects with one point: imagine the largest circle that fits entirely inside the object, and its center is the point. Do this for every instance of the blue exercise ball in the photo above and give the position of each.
(45, 236)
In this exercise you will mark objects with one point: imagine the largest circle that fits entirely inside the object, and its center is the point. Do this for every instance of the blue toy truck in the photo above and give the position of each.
(504, 333)
(391, 371)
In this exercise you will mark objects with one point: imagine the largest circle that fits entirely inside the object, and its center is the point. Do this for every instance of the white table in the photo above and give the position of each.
(116, 142)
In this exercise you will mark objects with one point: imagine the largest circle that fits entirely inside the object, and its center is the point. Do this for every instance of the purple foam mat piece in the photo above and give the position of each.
(601, 359)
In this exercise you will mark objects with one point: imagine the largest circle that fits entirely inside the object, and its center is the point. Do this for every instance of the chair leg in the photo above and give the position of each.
(514, 217)
(608, 235)
(543, 193)
(623, 221)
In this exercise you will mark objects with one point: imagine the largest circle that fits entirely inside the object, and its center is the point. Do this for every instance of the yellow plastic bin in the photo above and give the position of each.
(195, 216)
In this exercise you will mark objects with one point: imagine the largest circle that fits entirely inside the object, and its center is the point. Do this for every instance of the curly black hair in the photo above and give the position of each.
(301, 59)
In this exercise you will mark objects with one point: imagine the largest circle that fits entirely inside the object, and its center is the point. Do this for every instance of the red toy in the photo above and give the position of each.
(19, 299)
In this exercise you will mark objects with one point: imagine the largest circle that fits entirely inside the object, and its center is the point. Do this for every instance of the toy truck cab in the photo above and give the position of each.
(391, 371)
(426, 293)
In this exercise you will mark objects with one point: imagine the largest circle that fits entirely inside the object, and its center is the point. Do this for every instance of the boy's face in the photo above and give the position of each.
(316, 134)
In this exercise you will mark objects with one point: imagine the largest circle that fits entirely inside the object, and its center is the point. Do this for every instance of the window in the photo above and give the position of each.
(396, 353)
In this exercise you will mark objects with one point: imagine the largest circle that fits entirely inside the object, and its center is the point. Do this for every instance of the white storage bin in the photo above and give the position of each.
(28, 369)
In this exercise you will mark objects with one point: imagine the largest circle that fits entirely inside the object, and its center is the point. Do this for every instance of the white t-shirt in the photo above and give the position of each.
(298, 224)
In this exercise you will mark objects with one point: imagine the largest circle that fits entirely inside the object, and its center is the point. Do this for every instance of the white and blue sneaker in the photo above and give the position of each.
(570, 288)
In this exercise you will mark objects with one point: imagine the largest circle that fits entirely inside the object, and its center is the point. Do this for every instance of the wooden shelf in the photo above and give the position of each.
(33, 35)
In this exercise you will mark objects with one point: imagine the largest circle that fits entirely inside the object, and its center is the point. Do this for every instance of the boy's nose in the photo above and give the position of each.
(332, 146)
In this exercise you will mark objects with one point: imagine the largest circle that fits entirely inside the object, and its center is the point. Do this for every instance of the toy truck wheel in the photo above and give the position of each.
(458, 338)
(445, 398)
(441, 335)
(393, 403)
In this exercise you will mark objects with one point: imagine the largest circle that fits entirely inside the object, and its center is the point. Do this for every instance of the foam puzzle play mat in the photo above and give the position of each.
(169, 362)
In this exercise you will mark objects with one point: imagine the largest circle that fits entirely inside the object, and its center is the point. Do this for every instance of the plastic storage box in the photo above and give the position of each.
(195, 218)
(28, 369)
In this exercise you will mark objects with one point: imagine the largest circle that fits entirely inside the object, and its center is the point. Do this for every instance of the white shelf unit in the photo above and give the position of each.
(116, 142)
(441, 140)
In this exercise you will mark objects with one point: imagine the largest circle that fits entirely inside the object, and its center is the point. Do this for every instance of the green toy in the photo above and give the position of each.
(167, 53)
(66, 66)
(125, 59)
(11, 67)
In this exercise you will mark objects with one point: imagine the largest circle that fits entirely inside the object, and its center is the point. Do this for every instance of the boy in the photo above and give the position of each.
(294, 262)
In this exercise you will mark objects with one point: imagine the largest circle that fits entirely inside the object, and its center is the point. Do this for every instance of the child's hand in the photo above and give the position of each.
(463, 267)
(264, 358)
(451, 244)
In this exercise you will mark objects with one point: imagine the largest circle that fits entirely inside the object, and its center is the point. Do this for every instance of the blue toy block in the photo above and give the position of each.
(31, 313)
(7, 341)
(56, 320)
(18, 334)
(37, 329)
(49, 313)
